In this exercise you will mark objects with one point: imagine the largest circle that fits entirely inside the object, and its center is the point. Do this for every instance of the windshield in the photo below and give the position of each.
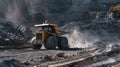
(47, 29)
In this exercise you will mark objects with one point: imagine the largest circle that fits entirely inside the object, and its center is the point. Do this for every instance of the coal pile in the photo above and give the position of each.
(12, 35)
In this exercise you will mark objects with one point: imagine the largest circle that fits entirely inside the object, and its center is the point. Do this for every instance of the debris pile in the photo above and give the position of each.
(12, 35)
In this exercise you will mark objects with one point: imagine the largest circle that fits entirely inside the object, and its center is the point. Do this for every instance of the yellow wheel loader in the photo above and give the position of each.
(49, 36)
(115, 10)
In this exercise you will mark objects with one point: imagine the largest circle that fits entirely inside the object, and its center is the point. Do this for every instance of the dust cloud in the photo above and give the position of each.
(91, 36)
(80, 39)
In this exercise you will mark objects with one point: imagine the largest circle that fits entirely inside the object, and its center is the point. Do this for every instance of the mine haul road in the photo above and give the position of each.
(62, 58)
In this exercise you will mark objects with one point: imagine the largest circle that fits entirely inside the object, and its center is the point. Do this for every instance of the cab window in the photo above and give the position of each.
(48, 29)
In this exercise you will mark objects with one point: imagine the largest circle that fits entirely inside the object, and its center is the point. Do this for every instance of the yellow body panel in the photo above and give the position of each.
(44, 36)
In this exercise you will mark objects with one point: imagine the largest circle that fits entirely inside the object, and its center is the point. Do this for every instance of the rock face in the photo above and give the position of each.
(25, 11)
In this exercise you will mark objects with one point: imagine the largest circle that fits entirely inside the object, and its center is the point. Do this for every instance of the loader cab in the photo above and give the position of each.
(51, 28)
(45, 31)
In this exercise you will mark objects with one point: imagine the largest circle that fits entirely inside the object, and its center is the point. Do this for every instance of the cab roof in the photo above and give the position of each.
(44, 24)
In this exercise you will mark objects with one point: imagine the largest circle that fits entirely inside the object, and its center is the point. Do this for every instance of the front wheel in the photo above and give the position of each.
(51, 43)
(63, 43)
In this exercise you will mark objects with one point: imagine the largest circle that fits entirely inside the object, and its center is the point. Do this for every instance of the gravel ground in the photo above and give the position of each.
(29, 57)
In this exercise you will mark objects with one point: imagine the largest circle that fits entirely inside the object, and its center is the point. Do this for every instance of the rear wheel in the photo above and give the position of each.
(36, 43)
(63, 43)
(51, 43)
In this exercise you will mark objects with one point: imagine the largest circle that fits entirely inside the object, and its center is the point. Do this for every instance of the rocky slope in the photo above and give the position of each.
(60, 11)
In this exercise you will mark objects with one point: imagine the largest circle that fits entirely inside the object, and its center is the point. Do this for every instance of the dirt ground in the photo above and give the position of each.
(29, 57)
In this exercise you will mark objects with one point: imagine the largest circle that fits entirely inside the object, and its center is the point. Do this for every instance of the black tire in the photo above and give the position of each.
(36, 43)
(63, 43)
(51, 43)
